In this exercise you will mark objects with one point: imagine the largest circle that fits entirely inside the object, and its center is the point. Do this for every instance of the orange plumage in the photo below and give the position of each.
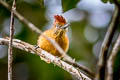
(58, 33)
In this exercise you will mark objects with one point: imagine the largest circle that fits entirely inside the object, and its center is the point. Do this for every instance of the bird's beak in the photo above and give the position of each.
(65, 26)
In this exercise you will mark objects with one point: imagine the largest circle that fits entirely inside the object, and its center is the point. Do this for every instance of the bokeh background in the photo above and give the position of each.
(89, 21)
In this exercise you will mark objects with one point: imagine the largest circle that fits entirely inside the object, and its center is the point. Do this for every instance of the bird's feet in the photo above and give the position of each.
(36, 47)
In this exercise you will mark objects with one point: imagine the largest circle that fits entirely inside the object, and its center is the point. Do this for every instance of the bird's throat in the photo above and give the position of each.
(58, 33)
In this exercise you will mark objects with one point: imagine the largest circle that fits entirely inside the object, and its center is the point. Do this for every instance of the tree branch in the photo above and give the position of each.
(111, 60)
(10, 54)
(106, 44)
(83, 68)
(47, 57)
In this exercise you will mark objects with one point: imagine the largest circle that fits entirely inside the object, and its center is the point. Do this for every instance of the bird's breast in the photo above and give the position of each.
(61, 39)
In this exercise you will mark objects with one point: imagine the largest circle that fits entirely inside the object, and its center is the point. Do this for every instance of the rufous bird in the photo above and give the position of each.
(58, 33)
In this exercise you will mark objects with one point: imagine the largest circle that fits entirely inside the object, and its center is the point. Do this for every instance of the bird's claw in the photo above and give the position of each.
(36, 47)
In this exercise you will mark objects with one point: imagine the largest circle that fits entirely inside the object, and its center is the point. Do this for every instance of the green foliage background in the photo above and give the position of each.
(29, 67)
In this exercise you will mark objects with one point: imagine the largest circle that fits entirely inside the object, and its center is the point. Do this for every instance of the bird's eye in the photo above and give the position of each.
(58, 26)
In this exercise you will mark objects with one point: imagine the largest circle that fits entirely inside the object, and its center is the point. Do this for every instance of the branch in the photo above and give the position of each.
(106, 44)
(111, 60)
(10, 54)
(47, 57)
(83, 68)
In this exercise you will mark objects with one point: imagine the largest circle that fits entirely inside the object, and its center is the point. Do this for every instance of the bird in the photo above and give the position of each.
(57, 32)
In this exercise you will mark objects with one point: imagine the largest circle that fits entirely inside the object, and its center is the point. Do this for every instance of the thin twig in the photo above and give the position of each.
(35, 29)
(106, 44)
(47, 57)
(10, 54)
(111, 60)
(83, 68)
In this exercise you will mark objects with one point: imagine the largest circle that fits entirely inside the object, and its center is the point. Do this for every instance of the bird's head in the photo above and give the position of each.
(60, 24)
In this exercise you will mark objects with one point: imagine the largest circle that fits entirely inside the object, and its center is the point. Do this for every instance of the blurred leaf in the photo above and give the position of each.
(105, 1)
(41, 2)
(33, 12)
(111, 1)
(69, 4)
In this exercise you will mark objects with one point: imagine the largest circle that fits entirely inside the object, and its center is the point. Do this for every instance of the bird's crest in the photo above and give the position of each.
(60, 20)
